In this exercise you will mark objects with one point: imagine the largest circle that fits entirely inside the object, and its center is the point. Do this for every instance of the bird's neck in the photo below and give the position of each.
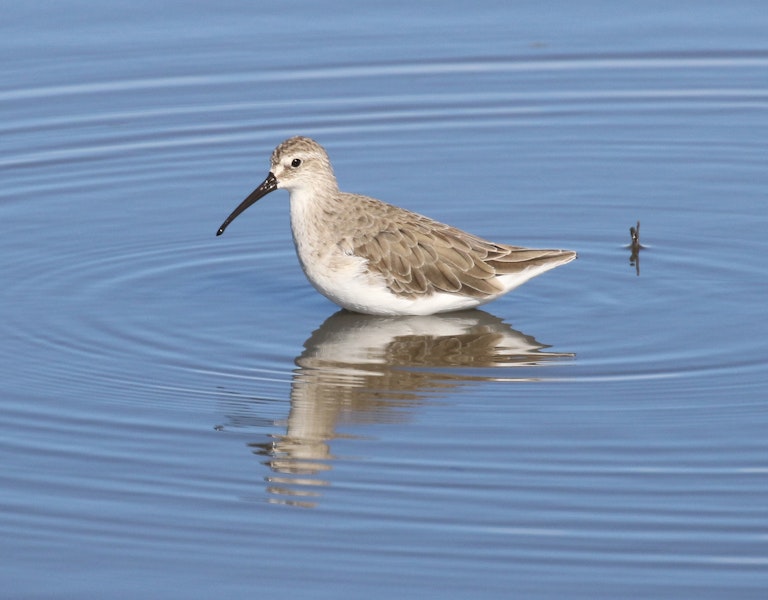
(313, 213)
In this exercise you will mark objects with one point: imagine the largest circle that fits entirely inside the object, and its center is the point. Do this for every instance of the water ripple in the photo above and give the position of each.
(708, 60)
(130, 122)
(167, 394)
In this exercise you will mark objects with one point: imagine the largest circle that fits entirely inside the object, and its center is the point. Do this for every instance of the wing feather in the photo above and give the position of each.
(417, 256)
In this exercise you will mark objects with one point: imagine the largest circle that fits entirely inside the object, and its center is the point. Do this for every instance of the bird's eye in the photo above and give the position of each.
(295, 162)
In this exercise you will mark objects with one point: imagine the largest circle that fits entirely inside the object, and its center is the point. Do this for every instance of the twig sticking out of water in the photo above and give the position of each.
(636, 246)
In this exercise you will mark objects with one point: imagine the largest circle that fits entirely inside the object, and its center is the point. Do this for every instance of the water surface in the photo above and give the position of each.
(183, 416)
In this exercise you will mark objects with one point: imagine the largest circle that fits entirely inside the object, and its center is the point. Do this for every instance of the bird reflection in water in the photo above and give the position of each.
(363, 369)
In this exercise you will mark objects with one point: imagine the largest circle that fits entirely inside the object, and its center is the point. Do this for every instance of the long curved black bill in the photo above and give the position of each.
(268, 185)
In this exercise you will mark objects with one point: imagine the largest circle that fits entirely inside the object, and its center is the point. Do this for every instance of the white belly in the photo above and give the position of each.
(352, 287)
(345, 280)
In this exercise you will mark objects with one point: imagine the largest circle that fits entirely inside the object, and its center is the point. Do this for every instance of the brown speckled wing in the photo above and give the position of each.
(417, 256)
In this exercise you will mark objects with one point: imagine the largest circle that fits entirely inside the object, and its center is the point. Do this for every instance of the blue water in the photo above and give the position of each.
(184, 416)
